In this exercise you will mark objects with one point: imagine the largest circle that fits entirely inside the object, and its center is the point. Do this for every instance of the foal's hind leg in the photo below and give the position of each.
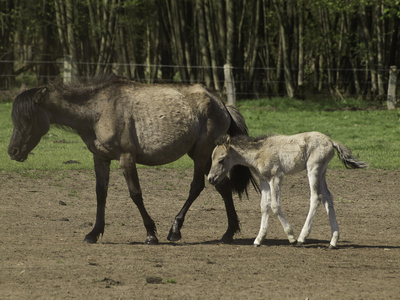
(314, 177)
(327, 200)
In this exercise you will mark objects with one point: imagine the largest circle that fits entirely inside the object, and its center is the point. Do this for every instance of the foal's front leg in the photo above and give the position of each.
(275, 185)
(102, 170)
(128, 166)
(265, 208)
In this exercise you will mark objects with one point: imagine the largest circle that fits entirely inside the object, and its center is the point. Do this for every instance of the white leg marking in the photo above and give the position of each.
(328, 203)
(265, 207)
(275, 185)
(313, 178)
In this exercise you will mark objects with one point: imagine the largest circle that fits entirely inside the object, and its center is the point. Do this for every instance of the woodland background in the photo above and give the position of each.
(276, 48)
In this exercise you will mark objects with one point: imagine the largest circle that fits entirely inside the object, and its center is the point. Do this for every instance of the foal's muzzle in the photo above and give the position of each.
(212, 179)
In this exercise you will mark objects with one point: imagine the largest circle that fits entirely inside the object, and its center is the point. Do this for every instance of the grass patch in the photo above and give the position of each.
(371, 134)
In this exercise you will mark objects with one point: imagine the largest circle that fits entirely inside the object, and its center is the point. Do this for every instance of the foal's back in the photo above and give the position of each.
(290, 154)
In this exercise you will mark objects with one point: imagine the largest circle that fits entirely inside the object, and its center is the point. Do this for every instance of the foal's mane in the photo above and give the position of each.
(245, 141)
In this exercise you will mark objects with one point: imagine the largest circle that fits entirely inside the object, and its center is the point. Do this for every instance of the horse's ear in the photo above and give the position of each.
(39, 95)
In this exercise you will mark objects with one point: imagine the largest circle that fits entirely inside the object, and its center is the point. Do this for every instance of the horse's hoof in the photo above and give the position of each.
(90, 240)
(226, 240)
(151, 240)
(174, 236)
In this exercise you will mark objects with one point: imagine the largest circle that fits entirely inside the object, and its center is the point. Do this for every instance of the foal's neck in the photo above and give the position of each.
(242, 156)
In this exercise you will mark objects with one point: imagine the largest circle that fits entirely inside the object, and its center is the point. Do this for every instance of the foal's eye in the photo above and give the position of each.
(221, 161)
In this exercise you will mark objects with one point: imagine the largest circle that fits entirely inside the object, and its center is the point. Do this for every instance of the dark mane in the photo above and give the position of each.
(81, 90)
(24, 105)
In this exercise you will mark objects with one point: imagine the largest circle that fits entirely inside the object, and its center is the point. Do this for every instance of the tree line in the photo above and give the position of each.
(275, 47)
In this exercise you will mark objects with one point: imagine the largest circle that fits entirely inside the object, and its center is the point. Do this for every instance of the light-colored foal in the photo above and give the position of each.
(270, 158)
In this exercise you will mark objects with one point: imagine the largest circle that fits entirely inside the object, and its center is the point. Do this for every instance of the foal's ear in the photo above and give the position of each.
(39, 95)
(227, 142)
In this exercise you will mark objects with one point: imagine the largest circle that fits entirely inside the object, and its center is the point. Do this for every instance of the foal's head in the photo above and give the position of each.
(221, 162)
(30, 123)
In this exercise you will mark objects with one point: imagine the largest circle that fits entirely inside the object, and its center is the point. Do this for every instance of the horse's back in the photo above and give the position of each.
(164, 122)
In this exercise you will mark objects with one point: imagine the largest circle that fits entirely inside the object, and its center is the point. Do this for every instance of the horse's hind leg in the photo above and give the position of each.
(128, 166)
(327, 200)
(225, 190)
(102, 170)
(202, 164)
(196, 187)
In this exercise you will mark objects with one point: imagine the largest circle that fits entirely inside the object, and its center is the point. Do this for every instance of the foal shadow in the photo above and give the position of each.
(309, 244)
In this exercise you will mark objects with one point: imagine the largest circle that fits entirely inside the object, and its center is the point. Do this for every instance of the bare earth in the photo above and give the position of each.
(45, 216)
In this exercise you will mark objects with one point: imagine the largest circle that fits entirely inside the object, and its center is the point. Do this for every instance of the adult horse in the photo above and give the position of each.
(119, 119)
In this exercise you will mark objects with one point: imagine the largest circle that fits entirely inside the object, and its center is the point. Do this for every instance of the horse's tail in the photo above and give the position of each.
(346, 157)
(240, 176)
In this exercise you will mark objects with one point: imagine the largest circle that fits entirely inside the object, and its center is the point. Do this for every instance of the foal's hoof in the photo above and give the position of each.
(151, 240)
(174, 236)
(333, 247)
(295, 243)
(256, 245)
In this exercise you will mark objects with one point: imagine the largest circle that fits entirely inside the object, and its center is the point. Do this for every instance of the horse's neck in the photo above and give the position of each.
(78, 117)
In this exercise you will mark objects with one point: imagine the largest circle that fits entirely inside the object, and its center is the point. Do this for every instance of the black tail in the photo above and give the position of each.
(240, 176)
(346, 157)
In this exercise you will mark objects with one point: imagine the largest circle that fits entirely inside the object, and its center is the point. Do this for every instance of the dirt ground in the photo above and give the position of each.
(45, 216)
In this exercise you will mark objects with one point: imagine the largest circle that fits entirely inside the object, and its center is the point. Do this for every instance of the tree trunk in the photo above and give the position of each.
(284, 34)
(213, 51)
(203, 42)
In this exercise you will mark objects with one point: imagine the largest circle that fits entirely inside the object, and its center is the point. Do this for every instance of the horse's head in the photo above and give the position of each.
(30, 123)
(221, 162)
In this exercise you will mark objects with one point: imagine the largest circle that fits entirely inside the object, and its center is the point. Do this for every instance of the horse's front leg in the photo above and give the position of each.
(102, 170)
(128, 165)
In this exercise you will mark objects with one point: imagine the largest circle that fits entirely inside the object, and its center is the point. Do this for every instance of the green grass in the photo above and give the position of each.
(373, 135)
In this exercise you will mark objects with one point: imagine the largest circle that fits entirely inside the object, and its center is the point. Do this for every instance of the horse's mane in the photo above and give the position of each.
(81, 90)
(24, 105)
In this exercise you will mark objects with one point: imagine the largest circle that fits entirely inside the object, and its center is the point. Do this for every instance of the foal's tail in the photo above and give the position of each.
(346, 157)
(240, 176)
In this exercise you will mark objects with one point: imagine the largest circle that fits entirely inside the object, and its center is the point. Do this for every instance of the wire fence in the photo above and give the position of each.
(152, 73)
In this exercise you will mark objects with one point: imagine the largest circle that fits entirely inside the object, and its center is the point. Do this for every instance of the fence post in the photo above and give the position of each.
(229, 84)
(391, 97)
(67, 68)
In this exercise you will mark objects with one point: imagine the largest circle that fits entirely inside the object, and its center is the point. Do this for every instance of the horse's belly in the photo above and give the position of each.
(165, 138)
